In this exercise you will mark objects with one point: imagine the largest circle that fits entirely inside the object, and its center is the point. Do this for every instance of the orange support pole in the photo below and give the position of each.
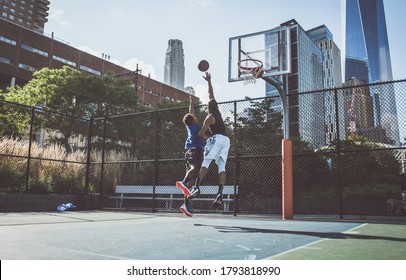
(287, 180)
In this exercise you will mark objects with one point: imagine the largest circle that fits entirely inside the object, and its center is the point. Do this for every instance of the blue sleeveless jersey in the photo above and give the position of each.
(193, 140)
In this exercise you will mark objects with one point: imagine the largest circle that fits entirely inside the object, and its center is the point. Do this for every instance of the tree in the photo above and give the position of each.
(259, 129)
(75, 96)
(364, 163)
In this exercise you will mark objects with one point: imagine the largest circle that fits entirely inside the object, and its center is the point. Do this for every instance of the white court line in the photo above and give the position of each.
(309, 244)
(250, 257)
(99, 255)
(244, 248)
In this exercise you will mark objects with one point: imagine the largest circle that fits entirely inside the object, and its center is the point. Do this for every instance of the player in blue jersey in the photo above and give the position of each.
(194, 146)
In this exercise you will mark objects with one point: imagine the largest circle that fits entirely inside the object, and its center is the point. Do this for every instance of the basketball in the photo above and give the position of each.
(203, 65)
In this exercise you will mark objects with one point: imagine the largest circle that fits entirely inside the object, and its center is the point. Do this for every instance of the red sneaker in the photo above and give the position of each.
(185, 209)
(183, 188)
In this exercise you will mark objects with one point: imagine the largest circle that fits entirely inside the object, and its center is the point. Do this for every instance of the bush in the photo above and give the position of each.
(12, 178)
(373, 191)
(39, 186)
(66, 184)
(48, 171)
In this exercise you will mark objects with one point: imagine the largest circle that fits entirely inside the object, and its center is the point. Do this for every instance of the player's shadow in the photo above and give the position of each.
(330, 235)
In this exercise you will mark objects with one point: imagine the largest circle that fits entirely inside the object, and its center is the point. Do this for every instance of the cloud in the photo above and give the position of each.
(202, 93)
(199, 3)
(58, 17)
(131, 64)
(146, 69)
(98, 54)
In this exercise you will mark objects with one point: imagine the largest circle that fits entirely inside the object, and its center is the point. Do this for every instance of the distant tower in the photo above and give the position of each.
(367, 58)
(174, 71)
(306, 75)
(30, 14)
(332, 78)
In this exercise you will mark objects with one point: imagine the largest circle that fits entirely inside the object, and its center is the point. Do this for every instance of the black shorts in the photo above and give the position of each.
(194, 156)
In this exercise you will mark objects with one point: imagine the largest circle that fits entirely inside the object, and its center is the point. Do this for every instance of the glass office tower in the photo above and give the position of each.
(367, 58)
(366, 40)
(306, 75)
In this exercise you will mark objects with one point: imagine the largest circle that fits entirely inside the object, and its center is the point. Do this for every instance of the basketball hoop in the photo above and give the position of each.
(250, 70)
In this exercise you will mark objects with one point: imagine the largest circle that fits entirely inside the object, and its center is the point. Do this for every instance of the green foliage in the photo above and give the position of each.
(362, 163)
(259, 129)
(39, 186)
(69, 92)
(372, 191)
(65, 183)
(46, 176)
(12, 174)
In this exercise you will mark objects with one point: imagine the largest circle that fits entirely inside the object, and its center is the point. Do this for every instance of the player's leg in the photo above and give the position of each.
(183, 185)
(210, 151)
(202, 173)
(190, 176)
(185, 208)
(222, 180)
(221, 161)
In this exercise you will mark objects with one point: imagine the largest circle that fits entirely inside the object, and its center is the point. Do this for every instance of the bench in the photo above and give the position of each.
(170, 194)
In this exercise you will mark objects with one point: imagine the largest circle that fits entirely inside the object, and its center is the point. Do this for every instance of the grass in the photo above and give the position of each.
(52, 169)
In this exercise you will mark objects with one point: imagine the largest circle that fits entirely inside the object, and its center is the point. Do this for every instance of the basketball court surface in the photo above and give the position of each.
(112, 235)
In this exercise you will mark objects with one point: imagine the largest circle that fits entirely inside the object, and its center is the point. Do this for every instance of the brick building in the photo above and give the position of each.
(24, 51)
(31, 14)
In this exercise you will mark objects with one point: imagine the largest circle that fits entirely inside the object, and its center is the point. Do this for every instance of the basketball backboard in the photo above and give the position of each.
(271, 47)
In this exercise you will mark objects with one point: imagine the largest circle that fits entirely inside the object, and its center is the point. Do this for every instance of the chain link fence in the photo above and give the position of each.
(42, 151)
(348, 153)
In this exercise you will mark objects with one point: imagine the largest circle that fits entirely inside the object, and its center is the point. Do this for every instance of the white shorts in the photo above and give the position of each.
(217, 147)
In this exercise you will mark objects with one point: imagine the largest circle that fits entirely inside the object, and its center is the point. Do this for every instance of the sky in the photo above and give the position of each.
(137, 32)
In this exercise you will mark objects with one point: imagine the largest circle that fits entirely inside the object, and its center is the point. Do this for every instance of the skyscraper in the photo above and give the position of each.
(367, 57)
(366, 41)
(31, 14)
(306, 75)
(332, 78)
(174, 72)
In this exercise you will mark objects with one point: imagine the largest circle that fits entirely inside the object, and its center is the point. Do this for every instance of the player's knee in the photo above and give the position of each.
(203, 171)
(221, 164)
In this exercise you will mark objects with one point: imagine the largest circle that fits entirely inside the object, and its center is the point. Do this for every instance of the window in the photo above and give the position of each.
(90, 70)
(8, 41)
(34, 50)
(63, 60)
(27, 67)
(6, 60)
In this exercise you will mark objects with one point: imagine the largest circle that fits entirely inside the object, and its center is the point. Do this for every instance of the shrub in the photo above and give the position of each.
(65, 184)
(39, 186)
(11, 175)
(48, 171)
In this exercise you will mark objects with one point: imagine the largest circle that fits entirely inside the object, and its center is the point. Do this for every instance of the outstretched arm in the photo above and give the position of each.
(191, 106)
(208, 79)
(206, 124)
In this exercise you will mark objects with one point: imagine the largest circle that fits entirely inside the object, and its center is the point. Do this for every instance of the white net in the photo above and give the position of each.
(250, 70)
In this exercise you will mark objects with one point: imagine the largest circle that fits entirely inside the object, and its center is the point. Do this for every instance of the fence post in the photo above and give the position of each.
(156, 157)
(237, 160)
(27, 174)
(287, 161)
(103, 153)
(338, 148)
(89, 148)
